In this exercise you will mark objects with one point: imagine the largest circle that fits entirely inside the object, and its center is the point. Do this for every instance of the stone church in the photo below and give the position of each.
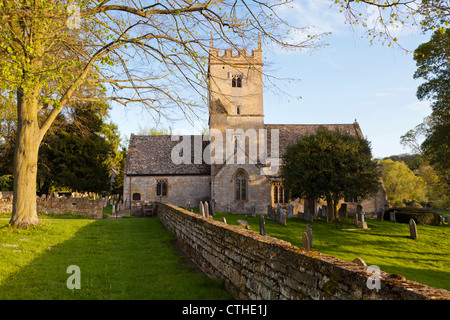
(235, 176)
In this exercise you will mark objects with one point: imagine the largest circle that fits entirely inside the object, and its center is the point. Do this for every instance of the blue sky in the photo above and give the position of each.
(346, 80)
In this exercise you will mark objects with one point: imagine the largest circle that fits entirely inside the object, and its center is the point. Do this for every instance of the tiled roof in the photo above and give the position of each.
(151, 155)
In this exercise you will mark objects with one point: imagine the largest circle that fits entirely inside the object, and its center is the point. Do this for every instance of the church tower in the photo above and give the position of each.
(235, 89)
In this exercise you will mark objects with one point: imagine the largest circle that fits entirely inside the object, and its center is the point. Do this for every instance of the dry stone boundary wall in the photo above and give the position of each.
(262, 267)
(82, 206)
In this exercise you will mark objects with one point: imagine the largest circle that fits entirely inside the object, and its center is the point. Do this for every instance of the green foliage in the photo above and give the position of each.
(329, 165)
(419, 215)
(401, 183)
(6, 182)
(432, 60)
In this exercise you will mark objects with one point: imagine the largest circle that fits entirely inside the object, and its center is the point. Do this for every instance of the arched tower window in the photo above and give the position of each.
(240, 185)
(236, 81)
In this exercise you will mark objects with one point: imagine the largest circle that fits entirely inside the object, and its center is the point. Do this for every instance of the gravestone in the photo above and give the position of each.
(363, 224)
(413, 229)
(291, 210)
(360, 262)
(380, 214)
(244, 224)
(224, 220)
(282, 217)
(300, 215)
(325, 211)
(320, 212)
(253, 210)
(355, 219)
(305, 241)
(448, 219)
(278, 210)
(343, 211)
(206, 209)
(392, 216)
(228, 207)
(269, 212)
(188, 206)
(262, 225)
(310, 236)
(201, 209)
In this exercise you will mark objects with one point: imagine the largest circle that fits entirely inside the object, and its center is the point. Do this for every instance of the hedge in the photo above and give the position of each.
(419, 215)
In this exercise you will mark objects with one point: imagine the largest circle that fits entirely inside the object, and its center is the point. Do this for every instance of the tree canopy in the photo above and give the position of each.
(330, 165)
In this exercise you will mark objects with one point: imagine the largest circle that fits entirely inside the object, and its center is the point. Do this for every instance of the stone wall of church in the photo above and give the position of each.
(223, 189)
(180, 189)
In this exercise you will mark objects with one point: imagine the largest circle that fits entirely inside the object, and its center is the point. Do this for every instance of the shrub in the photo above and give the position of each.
(419, 215)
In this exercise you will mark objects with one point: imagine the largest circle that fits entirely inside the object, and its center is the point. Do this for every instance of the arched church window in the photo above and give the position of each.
(136, 196)
(161, 188)
(240, 186)
(280, 193)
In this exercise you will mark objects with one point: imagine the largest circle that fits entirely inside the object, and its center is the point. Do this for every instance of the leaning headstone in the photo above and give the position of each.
(253, 210)
(305, 241)
(278, 210)
(244, 224)
(413, 229)
(310, 236)
(392, 216)
(360, 262)
(201, 209)
(363, 224)
(290, 210)
(355, 219)
(380, 214)
(262, 225)
(224, 220)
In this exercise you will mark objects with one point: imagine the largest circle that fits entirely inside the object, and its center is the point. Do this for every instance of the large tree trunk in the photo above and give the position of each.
(25, 163)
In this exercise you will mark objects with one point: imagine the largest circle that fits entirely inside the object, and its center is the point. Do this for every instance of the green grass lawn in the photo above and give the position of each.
(118, 259)
(386, 244)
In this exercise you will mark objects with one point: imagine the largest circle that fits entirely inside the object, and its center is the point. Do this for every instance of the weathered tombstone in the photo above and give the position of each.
(278, 210)
(262, 225)
(392, 216)
(380, 214)
(343, 211)
(269, 212)
(290, 210)
(355, 219)
(360, 262)
(201, 209)
(448, 219)
(310, 236)
(244, 224)
(228, 207)
(324, 211)
(113, 209)
(282, 217)
(413, 229)
(206, 209)
(224, 220)
(253, 210)
(305, 241)
(363, 224)
(188, 206)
